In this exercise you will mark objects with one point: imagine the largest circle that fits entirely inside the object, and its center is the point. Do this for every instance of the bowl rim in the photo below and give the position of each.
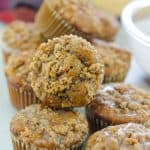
(128, 23)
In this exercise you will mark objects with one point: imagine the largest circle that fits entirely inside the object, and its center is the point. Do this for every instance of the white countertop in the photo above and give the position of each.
(135, 77)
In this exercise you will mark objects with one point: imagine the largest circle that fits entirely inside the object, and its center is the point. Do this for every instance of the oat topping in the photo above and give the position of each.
(17, 68)
(116, 59)
(21, 36)
(122, 103)
(46, 128)
(66, 72)
(121, 137)
(86, 18)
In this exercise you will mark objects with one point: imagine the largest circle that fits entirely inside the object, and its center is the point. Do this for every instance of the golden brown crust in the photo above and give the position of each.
(121, 103)
(116, 60)
(84, 17)
(21, 36)
(47, 128)
(66, 72)
(124, 137)
(17, 68)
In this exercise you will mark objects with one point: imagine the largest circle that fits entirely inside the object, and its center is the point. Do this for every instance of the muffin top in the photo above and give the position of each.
(122, 103)
(116, 59)
(66, 72)
(121, 137)
(86, 18)
(47, 128)
(17, 68)
(21, 36)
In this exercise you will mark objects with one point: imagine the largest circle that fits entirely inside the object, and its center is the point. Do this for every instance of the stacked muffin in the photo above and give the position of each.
(65, 72)
(54, 77)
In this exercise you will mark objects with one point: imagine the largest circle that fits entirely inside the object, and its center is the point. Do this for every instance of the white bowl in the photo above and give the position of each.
(135, 19)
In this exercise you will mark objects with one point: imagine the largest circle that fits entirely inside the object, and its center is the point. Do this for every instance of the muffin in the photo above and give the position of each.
(19, 35)
(66, 72)
(17, 70)
(41, 128)
(121, 137)
(117, 104)
(116, 60)
(78, 17)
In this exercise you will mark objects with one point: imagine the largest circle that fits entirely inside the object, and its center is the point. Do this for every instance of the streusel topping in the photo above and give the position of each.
(47, 128)
(66, 72)
(86, 18)
(21, 36)
(122, 103)
(17, 68)
(116, 59)
(121, 137)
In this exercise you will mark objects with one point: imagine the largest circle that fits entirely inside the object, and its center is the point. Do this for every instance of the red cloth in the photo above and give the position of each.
(7, 16)
(21, 13)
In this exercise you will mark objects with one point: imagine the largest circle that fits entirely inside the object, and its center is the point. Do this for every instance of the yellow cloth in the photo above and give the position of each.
(113, 6)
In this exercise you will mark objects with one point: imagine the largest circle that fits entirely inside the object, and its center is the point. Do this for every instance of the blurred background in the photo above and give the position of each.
(26, 9)
(18, 9)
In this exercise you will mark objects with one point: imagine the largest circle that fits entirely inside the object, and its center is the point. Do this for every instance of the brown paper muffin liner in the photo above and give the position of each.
(120, 77)
(95, 122)
(51, 24)
(20, 145)
(20, 98)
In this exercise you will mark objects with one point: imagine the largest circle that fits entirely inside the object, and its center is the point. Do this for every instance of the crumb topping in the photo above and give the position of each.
(17, 68)
(21, 36)
(124, 137)
(47, 128)
(66, 72)
(122, 103)
(116, 59)
(86, 18)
